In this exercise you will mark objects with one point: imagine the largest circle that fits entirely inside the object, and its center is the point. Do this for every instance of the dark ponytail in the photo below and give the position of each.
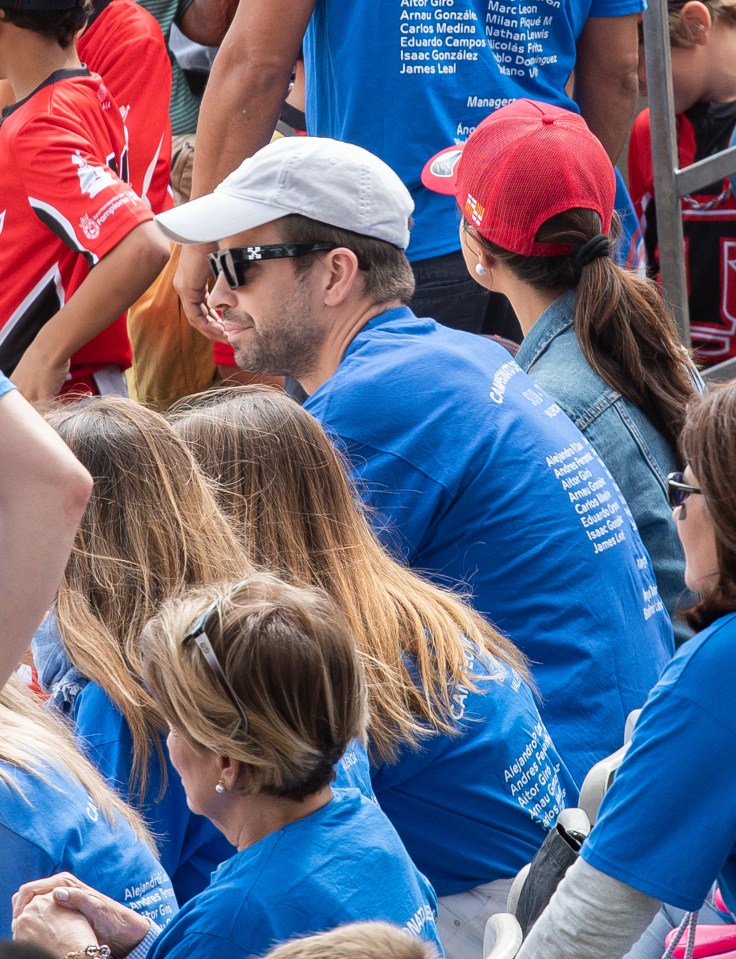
(622, 325)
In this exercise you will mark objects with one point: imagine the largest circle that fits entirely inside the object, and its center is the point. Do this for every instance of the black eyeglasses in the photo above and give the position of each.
(678, 492)
(235, 262)
(198, 632)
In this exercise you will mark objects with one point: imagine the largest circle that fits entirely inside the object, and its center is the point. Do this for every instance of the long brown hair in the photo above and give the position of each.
(151, 528)
(708, 444)
(622, 324)
(285, 487)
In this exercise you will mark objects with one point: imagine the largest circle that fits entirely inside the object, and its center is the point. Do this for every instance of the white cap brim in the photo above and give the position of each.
(210, 218)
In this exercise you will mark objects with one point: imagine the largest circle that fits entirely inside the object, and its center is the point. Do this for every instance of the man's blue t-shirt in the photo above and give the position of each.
(406, 78)
(57, 828)
(667, 826)
(481, 478)
(475, 807)
(343, 863)
(5, 385)
(191, 847)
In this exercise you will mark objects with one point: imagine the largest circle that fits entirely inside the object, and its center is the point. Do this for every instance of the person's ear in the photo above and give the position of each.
(486, 260)
(341, 274)
(698, 20)
(231, 771)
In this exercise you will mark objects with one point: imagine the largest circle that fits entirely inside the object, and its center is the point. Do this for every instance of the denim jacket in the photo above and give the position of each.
(637, 455)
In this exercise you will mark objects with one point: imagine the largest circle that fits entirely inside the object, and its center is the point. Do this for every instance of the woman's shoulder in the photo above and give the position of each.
(705, 659)
(43, 806)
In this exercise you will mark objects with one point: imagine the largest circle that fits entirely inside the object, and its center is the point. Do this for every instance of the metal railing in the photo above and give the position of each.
(672, 183)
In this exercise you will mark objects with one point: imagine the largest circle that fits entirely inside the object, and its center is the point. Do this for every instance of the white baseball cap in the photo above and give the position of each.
(326, 180)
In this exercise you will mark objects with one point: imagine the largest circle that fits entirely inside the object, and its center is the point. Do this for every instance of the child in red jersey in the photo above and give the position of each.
(703, 41)
(77, 245)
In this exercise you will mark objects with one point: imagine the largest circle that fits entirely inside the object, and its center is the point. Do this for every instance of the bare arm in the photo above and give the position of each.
(43, 493)
(240, 109)
(606, 85)
(110, 288)
(207, 21)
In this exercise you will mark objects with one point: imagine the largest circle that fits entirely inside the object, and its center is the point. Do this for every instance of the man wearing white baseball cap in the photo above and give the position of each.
(460, 455)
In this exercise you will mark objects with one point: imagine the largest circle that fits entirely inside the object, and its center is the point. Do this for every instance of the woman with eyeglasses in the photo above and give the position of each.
(263, 689)
(461, 761)
(666, 830)
(597, 338)
(151, 529)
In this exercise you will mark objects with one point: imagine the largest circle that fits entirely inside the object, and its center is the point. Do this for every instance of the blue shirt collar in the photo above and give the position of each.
(401, 313)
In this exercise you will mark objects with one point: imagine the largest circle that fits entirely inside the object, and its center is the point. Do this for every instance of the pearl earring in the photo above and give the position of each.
(220, 787)
(480, 269)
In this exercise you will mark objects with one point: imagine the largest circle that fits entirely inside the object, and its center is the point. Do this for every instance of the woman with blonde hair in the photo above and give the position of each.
(461, 761)
(263, 688)
(151, 529)
(56, 813)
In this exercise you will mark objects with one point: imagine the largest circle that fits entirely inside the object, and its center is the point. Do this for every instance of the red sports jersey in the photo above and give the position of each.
(125, 46)
(63, 205)
(709, 225)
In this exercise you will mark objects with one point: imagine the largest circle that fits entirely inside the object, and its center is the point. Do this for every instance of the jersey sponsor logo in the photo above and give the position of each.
(92, 179)
(89, 227)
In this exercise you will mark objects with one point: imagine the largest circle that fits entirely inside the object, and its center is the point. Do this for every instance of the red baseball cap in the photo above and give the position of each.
(522, 165)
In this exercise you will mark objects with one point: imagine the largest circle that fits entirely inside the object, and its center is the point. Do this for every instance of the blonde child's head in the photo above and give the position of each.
(358, 940)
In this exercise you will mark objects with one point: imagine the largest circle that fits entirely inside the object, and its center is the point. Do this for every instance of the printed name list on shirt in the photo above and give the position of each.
(435, 35)
(535, 782)
(600, 510)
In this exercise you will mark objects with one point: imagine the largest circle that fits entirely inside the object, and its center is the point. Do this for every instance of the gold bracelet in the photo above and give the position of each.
(89, 952)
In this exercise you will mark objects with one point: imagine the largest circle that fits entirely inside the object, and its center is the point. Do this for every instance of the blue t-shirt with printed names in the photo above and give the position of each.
(58, 828)
(190, 846)
(5, 385)
(343, 863)
(476, 807)
(477, 476)
(407, 78)
(667, 826)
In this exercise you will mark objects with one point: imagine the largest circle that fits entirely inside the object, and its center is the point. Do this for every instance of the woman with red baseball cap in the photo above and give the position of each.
(536, 193)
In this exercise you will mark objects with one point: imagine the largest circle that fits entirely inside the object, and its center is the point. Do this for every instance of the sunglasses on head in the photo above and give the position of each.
(198, 632)
(679, 492)
(235, 262)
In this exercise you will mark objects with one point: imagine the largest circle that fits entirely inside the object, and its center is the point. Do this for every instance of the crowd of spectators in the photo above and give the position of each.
(355, 485)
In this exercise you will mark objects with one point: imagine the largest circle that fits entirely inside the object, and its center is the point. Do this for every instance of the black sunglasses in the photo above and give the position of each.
(198, 632)
(679, 492)
(235, 262)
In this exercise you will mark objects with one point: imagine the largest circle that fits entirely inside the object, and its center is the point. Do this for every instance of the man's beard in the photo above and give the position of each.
(289, 348)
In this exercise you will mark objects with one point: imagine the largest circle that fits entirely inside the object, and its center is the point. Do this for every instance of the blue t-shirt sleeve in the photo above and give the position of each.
(20, 861)
(5, 385)
(668, 823)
